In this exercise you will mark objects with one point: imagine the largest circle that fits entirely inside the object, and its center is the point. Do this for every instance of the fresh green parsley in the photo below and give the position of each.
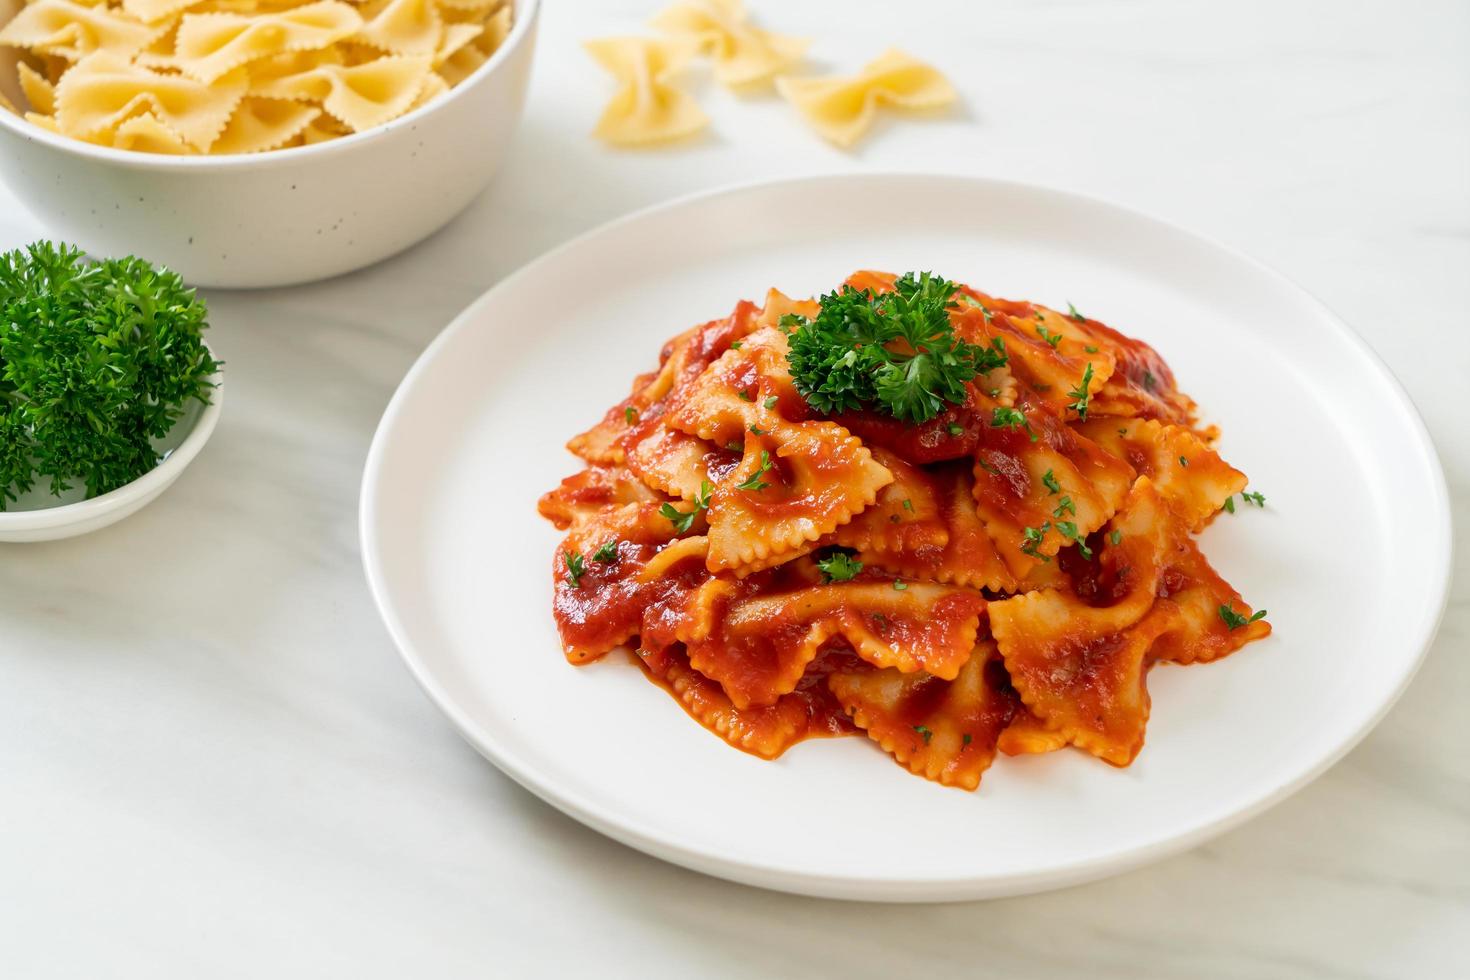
(895, 352)
(772, 402)
(1065, 507)
(97, 361)
(840, 567)
(1052, 339)
(908, 505)
(924, 732)
(1072, 312)
(1116, 538)
(746, 396)
(1010, 418)
(899, 585)
(1031, 538)
(1090, 349)
(955, 429)
(1068, 530)
(736, 344)
(684, 521)
(1230, 503)
(1259, 499)
(607, 553)
(754, 481)
(1235, 620)
(630, 414)
(1049, 480)
(576, 568)
(1148, 380)
(1080, 396)
(756, 430)
(966, 740)
(1183, 461)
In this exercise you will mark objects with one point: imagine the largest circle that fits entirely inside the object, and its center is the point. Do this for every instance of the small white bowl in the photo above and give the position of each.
(39, 517)
(283, 216)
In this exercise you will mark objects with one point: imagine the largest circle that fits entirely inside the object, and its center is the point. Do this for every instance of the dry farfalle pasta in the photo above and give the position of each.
(743, 55)
(842, 109)
(646, 108)
(241, 76)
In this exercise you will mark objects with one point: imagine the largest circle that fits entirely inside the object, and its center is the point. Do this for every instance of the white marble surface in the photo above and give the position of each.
(213, 764)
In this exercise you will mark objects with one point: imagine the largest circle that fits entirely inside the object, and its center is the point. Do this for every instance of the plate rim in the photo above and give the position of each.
(870, 887)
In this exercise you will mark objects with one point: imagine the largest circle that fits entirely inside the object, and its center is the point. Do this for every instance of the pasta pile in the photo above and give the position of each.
(998, 578)
(649, 107)
(241, 76)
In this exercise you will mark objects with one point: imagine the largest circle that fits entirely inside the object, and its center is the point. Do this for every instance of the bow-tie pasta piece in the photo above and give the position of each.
(264, 124)
(765, 731)
(149, 134)
(942, 730)
(842, 109)
(360, 96)
(76, 30)
(103, 90)
(743, 55)
(1040, 485)
(406, 27)
(601, 594)
(1188, 474)
(592, 493)
(757, 638)
(209, 45)
(647, 107)
(39, 92)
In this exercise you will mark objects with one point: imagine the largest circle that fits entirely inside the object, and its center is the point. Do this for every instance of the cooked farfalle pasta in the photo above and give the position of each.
(241, 76)
(743, 55)
(842, 109)
(994, 573)
(647, 107)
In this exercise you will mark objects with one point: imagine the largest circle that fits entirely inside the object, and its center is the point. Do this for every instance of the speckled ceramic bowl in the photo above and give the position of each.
(284, 216)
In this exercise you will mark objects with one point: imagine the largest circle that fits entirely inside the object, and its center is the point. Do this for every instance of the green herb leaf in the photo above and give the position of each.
(1080, 395)
(908, 504)
(924, 732)
(684, 521)
(1230, 503)
(1183, 461)
(966, 740)
(899, 585)
(896, 352)
(1116, 537)
(1064, 507)
(839, 567)
(1259, 499)
(1049, 481)
(607, 553)
(746, 396)
(1031, 538)
(630, 414)
(1010, 418)
(754, 482)
(1090, 349)
(1072, 312)
(955, 429)
(736, 344)
(756, 430)
(772, 402)
(1235, 620)
(97, 361)
(576, 568)
(1052, 339)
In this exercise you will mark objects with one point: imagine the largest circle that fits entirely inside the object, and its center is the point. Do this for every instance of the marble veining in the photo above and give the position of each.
(215, 765)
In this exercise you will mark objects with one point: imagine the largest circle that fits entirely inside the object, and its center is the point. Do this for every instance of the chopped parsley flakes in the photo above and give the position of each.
(840, 567)
(754, 481)
(576, 568)
(1235, 620)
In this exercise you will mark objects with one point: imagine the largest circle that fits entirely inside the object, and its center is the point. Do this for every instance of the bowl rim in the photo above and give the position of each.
(148, 485)
(524, 17)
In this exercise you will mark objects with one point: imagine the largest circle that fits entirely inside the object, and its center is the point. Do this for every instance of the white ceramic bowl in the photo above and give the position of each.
(284, 216)
(39, 517)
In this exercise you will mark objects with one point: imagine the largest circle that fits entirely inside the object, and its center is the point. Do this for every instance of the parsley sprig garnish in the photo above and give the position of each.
(606, 554)
(681, 520)
(1080, 396)
(1011, 418)
(754, 481)
(576, 568)
(839, 567)
(97, 360)
(895, 352)
(1234, 620)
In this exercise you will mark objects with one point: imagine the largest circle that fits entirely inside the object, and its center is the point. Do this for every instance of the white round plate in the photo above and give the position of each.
(1351, 554)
